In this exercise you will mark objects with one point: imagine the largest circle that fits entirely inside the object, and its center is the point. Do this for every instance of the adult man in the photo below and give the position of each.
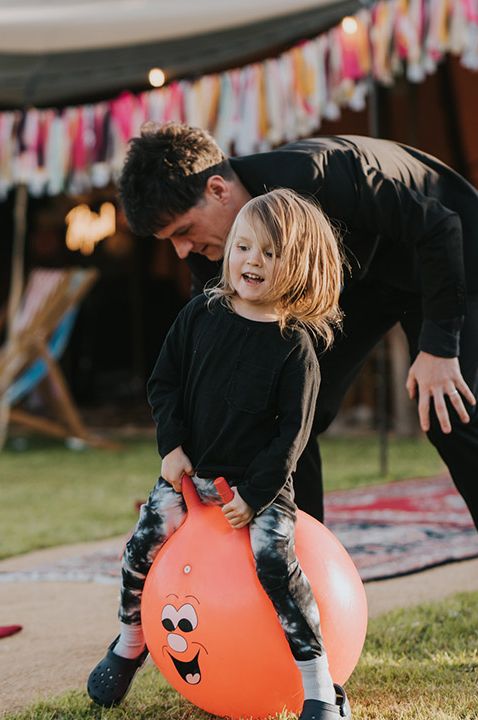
(409, 227)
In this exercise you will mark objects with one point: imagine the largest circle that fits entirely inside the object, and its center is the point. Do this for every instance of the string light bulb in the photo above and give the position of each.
(156, 77)
(349, 25)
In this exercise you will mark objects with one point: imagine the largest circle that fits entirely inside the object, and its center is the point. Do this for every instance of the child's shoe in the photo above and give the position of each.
(110, 680)
(319, 710)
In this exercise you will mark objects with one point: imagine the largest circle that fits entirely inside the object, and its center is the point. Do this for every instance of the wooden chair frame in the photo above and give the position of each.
(49, 296)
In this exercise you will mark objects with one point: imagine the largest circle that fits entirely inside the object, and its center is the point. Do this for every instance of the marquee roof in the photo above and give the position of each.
(57, 52)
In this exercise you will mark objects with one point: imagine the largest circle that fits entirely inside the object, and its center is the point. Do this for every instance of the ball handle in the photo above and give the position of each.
(191, 498)
(224, 490)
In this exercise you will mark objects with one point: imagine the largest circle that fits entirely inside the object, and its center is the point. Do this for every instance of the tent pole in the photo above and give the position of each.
(451, 101)
(18, 255)
(374, 131)
(15, 293)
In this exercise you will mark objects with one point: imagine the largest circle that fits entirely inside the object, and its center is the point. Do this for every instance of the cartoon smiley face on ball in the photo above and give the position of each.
(180, 620)
(207, 620)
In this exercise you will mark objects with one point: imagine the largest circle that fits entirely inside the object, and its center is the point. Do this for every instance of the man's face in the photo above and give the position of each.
(203, 229)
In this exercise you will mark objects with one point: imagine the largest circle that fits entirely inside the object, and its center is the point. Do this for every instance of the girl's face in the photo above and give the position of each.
(251, 269)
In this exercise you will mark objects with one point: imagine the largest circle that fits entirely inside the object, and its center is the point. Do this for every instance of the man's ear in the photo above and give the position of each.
(218, 188)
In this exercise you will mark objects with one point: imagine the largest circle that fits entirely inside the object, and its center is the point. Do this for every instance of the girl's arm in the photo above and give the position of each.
(165, 393)
(296, 401)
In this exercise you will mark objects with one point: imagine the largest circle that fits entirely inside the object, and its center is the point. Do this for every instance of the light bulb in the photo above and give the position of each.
(349, 25)
(156, 77)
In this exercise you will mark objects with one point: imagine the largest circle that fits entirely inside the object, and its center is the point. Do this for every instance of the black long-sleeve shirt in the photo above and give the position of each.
(237, 395)
(408, 221)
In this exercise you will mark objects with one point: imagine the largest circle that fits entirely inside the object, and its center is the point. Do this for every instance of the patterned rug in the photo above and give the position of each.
(389, 530)
(402, 527)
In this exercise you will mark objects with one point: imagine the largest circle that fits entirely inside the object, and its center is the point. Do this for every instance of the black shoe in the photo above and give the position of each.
(320, 710)
(110, 680)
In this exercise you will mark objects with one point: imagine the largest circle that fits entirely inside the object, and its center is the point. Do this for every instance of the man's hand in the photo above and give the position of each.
(237, 512)
(437, 377)
(173, 467)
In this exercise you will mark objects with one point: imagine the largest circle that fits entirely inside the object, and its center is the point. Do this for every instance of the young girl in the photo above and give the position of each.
(233, 393)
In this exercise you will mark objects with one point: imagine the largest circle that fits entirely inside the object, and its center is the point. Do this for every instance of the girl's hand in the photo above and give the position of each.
(237, 511)
(173, 467)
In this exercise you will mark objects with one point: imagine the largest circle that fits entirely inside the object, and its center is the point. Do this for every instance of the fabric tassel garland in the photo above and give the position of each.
(247, 109)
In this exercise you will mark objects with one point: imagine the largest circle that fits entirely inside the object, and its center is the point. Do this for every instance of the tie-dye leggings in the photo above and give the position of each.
(272, 542)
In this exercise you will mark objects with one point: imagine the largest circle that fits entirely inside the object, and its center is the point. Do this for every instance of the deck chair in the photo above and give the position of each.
(39, 335)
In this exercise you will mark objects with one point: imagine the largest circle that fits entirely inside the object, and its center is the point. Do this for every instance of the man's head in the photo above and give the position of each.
(177, 184)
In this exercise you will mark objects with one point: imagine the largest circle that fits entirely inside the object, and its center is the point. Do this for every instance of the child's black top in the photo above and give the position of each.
(237, 395)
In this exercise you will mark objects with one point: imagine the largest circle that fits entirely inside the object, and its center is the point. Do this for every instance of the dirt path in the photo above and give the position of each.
(67, 625)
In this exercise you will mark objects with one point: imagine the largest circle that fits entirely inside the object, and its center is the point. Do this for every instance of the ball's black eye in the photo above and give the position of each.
(185, 625)
(168, 624)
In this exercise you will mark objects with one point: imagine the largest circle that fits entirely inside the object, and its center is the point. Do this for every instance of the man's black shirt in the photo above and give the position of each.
(408, 222)
(237, 395)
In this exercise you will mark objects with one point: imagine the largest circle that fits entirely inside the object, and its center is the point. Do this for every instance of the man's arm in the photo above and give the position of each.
(382, 206)
(436, 234)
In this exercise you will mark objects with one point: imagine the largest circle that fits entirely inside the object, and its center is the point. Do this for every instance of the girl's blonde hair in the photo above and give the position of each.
(308, 279)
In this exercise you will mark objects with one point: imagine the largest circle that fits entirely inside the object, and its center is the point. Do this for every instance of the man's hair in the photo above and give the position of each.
(308, 276)
(165, 173)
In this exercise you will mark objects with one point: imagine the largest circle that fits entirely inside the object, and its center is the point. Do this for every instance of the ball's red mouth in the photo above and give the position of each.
(189, 671)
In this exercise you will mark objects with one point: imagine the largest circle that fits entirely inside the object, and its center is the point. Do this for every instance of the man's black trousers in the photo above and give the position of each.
(370, 311)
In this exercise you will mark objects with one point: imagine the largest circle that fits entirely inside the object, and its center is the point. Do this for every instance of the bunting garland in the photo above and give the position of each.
(247, 109)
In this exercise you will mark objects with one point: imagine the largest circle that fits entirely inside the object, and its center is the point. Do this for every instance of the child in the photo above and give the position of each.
(233, 393)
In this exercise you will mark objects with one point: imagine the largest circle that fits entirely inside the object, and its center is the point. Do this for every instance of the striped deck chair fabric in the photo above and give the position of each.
(38, 336)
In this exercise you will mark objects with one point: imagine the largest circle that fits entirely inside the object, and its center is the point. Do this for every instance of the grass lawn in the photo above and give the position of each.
(417, 664)
(52, 495)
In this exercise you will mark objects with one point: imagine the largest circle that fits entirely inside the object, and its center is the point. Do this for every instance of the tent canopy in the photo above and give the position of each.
(57, 52)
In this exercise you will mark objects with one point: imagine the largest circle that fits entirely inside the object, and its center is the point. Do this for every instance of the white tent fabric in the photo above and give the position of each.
(64, 52)
(37, 26)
